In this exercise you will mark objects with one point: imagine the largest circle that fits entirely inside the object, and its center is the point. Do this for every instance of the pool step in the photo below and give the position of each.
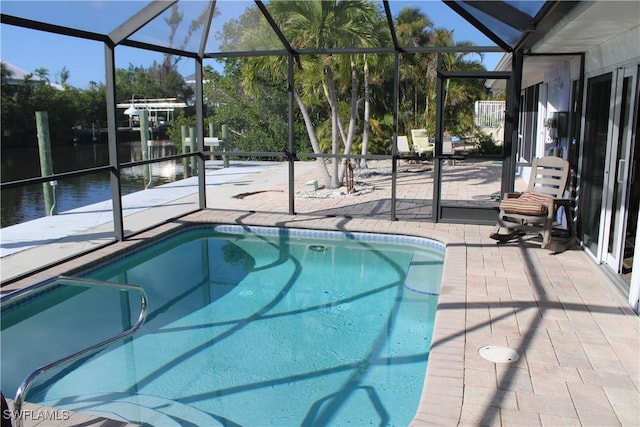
(141, 409)
(424, 274)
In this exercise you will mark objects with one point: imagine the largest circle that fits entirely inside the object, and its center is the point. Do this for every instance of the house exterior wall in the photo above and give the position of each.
(621, 50)
(558, 81)
(555, 95)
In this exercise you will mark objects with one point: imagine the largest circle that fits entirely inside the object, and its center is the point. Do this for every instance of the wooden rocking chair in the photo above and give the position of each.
(535, 210)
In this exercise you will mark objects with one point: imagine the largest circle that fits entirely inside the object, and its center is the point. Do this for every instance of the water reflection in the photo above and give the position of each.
(27, 203)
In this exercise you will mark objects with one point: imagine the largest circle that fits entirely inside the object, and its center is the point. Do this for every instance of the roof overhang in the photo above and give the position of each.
(588, 25)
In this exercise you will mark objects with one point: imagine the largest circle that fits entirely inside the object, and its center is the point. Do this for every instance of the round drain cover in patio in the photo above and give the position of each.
(499, 354)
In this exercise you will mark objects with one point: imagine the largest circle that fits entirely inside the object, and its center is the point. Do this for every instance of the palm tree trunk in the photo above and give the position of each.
(348, 142)
(333, 104)
(367, 107)
(426, 109)
(313, 138)
(415, 104)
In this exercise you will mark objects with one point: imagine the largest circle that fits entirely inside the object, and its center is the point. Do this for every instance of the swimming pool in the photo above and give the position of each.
(246, 326)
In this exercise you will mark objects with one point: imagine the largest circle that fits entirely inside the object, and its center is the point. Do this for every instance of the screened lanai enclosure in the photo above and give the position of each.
(368, 108)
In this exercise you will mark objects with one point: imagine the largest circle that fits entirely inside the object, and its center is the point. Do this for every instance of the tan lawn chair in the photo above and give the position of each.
(403, 145)
(421, 143)
(447, 146)
(534, 211)
(449, 150)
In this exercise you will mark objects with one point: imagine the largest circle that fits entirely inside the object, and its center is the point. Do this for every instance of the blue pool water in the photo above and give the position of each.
(245, 327)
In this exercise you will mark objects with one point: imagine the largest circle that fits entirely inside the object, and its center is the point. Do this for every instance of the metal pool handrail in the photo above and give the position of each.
(21, 393)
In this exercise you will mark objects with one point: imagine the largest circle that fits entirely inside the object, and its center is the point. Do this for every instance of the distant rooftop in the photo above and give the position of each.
(17, 76)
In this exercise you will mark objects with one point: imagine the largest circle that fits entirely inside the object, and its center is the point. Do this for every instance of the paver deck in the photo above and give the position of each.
(577, 339)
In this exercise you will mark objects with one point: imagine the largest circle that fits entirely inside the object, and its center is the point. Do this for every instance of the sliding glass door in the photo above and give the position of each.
(621, 205)
(609, 195)
(598, 112)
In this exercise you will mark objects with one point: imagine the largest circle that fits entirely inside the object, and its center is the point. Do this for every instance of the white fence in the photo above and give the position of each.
(489, 113)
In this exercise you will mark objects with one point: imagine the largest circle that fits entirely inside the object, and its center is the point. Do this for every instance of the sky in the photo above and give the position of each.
(84, 59)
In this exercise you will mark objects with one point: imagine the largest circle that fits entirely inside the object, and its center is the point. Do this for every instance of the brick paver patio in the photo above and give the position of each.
(577, 340)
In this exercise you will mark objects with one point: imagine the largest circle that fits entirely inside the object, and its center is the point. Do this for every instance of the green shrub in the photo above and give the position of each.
(486, 144)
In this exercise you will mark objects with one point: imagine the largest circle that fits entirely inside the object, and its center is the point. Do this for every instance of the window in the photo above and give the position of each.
(528, 123)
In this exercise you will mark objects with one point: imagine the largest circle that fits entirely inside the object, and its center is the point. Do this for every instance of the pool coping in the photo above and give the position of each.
(442, 394)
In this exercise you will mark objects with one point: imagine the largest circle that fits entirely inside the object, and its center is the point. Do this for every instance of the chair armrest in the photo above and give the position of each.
(512, 195)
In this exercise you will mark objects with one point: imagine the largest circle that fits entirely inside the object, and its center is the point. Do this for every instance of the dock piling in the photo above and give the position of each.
(225, 140)
(185, 164)
(192, 144)
(144, 142)
(46, 163)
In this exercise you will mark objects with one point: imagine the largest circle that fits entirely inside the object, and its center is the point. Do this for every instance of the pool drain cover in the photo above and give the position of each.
(499, 354)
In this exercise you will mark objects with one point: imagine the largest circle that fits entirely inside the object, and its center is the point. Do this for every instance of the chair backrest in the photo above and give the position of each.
(403, 144)
(447, 145)
(549, 176)
(420, 137)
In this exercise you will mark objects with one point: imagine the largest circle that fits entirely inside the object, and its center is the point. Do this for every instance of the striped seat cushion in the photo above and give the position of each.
(526, 204)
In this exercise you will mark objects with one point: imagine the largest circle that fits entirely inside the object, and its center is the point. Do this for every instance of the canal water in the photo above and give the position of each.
(27, 203)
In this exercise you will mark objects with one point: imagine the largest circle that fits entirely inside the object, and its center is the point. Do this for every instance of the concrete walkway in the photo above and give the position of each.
(53, 238)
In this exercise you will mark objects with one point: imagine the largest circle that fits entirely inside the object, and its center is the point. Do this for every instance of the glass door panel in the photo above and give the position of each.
(631, 230)
(622, 206)
(593, 163)
(609, 199)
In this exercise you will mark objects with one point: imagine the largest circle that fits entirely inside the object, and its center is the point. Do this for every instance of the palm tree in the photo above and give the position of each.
(325, 25)
(375, 69)
(64, 75)
(42, 73)
(460, 95)
(367, 109)
(418, 72)
(414, 29)
(380, 64)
